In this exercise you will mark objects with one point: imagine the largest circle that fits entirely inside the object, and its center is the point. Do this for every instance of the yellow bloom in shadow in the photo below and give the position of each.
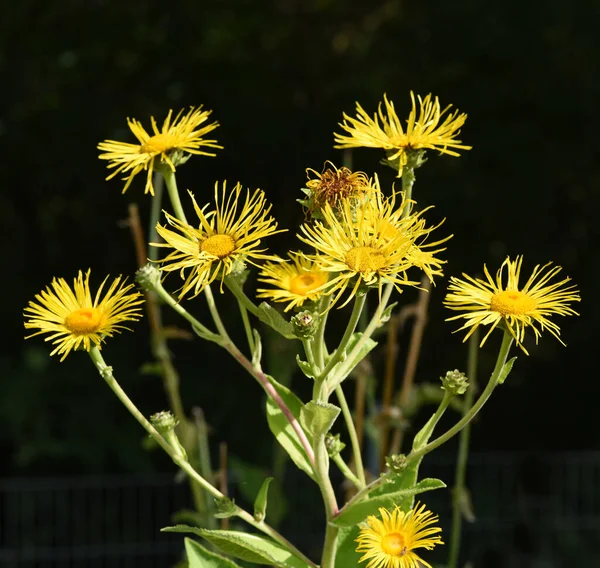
(367, 245)
(294, 282)
(74, 319)
(225, 239)
(390, 542)
(181, 134)
(494, 301)
(432, 129)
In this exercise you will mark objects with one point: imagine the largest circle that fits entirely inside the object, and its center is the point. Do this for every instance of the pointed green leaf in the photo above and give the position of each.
(260, 505)
(269, 315)
(356, 359)
(506, 369)
(200, 557)
(358, 512)
(245, 546)
(346, 555)
(283, 431)
(318, 417)
(305, 367)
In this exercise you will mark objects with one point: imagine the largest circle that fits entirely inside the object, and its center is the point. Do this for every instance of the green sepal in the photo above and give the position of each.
(200, 557)
(282, 429)
(260, 504)
(358, 512)
(269, 315)
(317, 418)
(245, 546)
(506, 369)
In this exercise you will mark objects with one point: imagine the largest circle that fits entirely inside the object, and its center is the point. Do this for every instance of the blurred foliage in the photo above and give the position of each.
(278, 75)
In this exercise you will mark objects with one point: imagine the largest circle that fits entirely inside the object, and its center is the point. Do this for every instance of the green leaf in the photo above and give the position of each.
(360, 511)
(506, 369)
(245, 546)
(318, 417)
(424, 433)
(200, 557)
(260, 505)
(269, 315)
(346, 555)
(282, 429)
(305, 367)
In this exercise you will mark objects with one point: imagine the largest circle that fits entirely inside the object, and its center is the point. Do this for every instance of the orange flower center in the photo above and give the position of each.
(394, 544)
(365, 259)
(158, 144)
(512, 302)
(304, 284)
(84, 321)
(218, 245)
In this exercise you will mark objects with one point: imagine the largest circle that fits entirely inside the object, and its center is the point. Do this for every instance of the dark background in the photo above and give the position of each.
(278, 75)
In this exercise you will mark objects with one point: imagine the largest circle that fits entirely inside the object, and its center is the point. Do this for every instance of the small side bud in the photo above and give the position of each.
(226, 508)
(164, 421)
(334, 445)
(396, 463)
(148, 277)
(455, 382)
(305, 325)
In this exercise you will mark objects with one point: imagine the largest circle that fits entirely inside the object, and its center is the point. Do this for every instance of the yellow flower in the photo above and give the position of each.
(224, 240)
(422, 133)
(294, 282)
(370, 244)
(391, 541)
(74, 319)
(182, 134)
(491, 302)
(333, 185)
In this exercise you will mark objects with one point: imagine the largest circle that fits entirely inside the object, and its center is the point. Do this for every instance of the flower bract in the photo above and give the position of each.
(502, 300)
(225, 239)
(390, 542)
(293, 282)
(176, 138)
(431, 129)
(75, 319)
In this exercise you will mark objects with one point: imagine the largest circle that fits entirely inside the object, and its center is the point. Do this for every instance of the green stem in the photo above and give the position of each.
(171, 183)
(463, 454)
(214, 312)
(329, 547)
(238, 292)
(247, 327)
(360, 470)
(155, 210)
(507, 340)
(107, 374)
(308, 350)
(359, 303)
(348, 473)
(425, 433)
(364, 492)
(319, 340)
(408, 180)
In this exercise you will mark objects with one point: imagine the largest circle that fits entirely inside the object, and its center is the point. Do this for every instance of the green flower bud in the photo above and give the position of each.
(334, 445)
(164, 421)
(148, 277)
(396, 463)
(455, 382)
(305, 325)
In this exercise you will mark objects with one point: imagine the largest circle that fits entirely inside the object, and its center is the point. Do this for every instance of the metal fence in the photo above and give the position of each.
(533, 511)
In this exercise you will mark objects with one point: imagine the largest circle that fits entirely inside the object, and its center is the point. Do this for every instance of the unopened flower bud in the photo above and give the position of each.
(334, 445)
(396, 463)
(148, 277)
(164, 421)
(455, 382)
(305, 325)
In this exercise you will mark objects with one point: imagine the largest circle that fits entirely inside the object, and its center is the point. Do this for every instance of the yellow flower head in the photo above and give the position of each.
(74, 319)
(295, 282)
(385, 130)
(391, 541)
(369, 245)
(169, 144)
(334, 185)
(494, 301)
(225, 238)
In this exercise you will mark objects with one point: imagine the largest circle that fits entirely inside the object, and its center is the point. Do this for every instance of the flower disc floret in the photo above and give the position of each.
(76, 320)
(502, 300)
(182, 136)
(226, 238)
(384, 130)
